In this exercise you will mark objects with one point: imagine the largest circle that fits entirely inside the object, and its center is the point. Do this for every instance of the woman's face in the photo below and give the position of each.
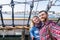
(36, 20)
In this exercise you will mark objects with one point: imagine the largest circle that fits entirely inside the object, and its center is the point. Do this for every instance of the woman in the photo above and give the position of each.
(34, 31)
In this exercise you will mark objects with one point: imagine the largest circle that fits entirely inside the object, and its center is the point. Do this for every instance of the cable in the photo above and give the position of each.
(55, 2)
(36, 8)
(28, 2)
(49, 6)
(58, 20)
(23, 30)
(58, 0)
(1, 16)
(12, 6)
(31, 8)
(24, 14)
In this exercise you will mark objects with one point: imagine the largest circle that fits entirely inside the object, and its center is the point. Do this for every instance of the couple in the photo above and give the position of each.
(43, 28)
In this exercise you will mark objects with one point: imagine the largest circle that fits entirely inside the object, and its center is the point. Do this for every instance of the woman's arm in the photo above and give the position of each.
(31, 33)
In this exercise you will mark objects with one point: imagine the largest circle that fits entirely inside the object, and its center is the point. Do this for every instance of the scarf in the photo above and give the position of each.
(39, 25)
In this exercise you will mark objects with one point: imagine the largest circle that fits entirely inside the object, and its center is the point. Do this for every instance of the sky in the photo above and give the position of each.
(38, 6)
(20, 7)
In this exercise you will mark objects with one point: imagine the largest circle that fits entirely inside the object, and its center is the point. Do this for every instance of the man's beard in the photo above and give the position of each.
(44, 20)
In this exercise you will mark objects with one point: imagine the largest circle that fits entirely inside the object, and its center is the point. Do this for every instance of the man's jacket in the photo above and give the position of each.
(50, 31)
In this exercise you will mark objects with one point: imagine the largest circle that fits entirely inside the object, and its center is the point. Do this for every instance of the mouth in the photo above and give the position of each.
(43, 18)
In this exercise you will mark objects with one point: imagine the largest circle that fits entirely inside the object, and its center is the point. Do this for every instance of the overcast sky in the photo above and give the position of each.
(20, 7)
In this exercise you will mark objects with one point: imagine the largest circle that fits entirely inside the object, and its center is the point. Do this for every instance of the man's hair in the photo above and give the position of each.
(43, 11)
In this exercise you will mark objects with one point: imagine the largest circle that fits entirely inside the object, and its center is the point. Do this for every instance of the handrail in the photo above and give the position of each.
(13, 28)
(24, 19)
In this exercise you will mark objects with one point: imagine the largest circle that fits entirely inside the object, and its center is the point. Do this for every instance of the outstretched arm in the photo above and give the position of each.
(31, 34)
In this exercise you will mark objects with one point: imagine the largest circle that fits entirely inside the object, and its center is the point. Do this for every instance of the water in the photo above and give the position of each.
(27, 15)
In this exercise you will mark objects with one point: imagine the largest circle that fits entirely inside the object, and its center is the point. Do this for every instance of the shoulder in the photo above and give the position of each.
(32, 28)
(52, 22)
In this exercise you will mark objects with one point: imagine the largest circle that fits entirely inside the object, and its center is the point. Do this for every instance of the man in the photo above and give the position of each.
(49, 31)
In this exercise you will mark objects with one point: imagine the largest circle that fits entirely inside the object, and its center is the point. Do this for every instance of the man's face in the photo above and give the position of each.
(43, 16)
(36, 20)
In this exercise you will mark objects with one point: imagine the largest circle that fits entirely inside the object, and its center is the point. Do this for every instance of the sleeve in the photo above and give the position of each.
(55, 30)
(31, 32)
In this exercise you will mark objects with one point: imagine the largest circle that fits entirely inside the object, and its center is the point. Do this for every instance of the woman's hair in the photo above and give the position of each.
(33, 21)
